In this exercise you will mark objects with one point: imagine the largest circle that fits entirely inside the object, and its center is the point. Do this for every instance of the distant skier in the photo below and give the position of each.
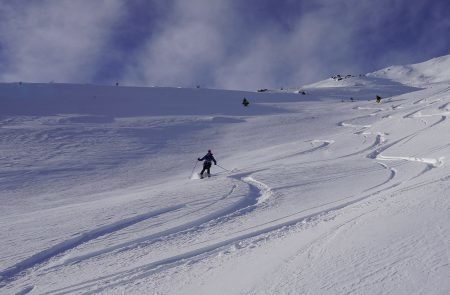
(208, 158)
(378, 99)
(245, 102)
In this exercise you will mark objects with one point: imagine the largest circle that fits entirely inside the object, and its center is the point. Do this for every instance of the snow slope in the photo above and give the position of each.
(312, 194)
(422, 74)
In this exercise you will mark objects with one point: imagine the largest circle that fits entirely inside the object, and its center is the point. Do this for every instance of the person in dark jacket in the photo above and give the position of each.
(208, 158)
(245, 102)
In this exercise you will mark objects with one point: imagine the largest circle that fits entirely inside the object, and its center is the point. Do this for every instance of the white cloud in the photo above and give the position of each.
(205, 41)
(55, 40)
(190, 43)
(222, 43)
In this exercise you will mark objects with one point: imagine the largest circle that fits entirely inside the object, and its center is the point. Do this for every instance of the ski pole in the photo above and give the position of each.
(223, 168)
(195, 166)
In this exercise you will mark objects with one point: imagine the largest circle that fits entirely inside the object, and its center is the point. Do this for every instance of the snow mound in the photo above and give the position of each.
(436, 70)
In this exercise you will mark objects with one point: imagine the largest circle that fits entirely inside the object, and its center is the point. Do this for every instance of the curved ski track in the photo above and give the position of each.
(38, 258)
(258, 194)
(206, 251)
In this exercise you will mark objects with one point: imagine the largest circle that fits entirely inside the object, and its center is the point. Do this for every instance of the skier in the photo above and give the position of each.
(245, 102)
(208, 158)
(378, 99)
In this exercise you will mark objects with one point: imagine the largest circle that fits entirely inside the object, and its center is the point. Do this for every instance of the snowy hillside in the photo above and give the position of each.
(421, 75)
(436, 70)
(323, 193)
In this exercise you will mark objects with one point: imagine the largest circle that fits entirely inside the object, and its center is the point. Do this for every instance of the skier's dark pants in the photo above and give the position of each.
(207, 167)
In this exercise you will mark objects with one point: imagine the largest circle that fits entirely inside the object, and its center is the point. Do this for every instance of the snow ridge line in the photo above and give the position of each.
(343, 124)
(431, 162)
(9, 273)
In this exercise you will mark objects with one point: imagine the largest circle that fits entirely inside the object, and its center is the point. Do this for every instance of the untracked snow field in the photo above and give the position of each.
(323, 193)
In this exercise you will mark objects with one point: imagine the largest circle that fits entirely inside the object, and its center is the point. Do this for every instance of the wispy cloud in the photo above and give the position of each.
(226, 45)
(230, 44)
(187, 44)
(55, 40)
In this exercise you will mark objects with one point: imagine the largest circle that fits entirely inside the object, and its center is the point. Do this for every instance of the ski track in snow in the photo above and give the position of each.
(258, 194)
(198, 254)
(322, 145)
(265, 192)
(26, 290)
(379, 140)
(242, 204)
(416, 114)
(430, 162)
(38, 258)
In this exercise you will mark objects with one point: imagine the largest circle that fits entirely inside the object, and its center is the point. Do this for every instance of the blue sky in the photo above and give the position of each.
(230, 44)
